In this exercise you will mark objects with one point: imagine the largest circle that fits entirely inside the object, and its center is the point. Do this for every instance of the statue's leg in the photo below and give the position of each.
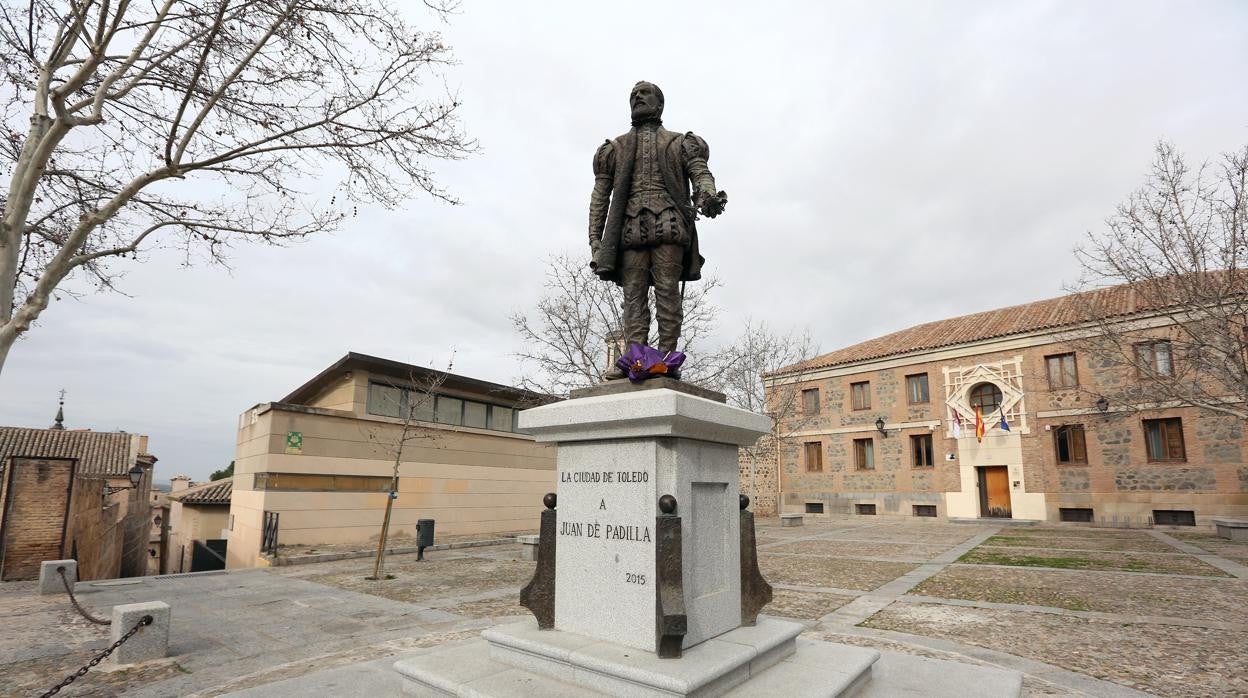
(665, 266)
(635, 275)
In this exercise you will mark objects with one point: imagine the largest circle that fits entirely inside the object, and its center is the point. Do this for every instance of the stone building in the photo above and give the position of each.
(315, 467)
(878, 422)
(68, 494)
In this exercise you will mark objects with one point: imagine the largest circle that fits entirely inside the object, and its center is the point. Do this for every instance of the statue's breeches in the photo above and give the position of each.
(660, 267)
(644, 228)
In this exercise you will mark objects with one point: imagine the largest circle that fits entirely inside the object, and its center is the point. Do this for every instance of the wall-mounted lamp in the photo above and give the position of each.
(879, 426)
(135, 474)
(1102, 404)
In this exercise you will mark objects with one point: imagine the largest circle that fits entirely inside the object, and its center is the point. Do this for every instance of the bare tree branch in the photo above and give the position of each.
(1175, 331)
(129, 126)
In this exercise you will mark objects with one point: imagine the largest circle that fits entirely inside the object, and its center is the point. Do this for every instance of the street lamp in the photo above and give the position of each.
(135, 474)
(879, 426)
(1102, 404)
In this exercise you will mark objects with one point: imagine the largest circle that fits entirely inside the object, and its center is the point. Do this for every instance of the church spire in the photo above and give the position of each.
(60, 413)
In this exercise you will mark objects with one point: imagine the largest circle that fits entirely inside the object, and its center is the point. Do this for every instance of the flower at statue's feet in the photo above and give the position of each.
(642, 361)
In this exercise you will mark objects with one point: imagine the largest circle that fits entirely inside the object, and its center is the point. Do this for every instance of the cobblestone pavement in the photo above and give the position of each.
(1231, 550)
(890, 583)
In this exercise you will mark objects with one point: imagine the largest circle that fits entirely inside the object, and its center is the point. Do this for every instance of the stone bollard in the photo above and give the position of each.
(151, 642)
(529, 551)
(50, 581)
(790, 520)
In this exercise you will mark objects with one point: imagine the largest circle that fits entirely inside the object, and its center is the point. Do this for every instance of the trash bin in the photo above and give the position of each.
(424, 537)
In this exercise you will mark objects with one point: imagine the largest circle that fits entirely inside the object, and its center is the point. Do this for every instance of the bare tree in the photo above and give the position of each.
(568, 340)
(414, 403)
(1177, 247)
(744, 377)
(197, 123)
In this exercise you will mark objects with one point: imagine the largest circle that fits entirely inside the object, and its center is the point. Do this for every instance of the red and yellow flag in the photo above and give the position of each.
(979, 425)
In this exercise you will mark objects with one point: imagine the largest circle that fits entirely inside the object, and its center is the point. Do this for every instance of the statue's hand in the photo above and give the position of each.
(712, 205)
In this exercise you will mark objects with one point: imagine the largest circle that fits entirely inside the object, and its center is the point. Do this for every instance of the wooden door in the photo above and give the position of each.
(994, 484)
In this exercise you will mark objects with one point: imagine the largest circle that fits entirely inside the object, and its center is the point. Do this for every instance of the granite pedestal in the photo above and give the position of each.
(620, 451)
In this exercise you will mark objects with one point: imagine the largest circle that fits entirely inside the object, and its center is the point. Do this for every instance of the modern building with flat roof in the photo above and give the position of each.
(315, 467)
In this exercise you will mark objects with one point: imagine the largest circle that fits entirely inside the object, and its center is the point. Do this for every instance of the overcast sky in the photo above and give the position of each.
(887, 164)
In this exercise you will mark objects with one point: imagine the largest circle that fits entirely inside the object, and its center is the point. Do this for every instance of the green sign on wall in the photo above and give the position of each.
(294, 443)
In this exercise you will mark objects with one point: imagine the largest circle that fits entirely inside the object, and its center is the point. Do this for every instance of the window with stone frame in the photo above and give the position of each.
(987, 397)
(1070, 444)
(864, 454)
(921, 451)
(916, 389)
(1163, 440)
(860, 394)
(1154, 359)
(813, 453)
(810, 401)
(1062, 371)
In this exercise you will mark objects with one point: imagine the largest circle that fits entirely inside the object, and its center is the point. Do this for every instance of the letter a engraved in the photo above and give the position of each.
(602, 504)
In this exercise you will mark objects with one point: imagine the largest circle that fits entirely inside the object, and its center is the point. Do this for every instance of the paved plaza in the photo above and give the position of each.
(1078, 610)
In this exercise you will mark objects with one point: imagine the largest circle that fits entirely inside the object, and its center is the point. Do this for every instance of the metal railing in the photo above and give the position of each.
(268, 537)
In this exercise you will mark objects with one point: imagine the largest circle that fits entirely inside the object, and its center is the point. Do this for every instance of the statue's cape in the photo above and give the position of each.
(675, 180)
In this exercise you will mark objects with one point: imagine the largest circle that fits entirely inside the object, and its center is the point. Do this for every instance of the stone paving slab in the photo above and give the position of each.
(1091, 560)
(1153, 658)
(1141, 543)
(815, 571)
(1122, 592)
(1213, 543)
(862, 549)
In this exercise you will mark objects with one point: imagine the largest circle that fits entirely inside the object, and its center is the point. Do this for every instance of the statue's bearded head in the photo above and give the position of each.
(646, 101)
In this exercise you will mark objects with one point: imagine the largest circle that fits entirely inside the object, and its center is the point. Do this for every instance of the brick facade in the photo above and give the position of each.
(36, 502)
(1118, 481)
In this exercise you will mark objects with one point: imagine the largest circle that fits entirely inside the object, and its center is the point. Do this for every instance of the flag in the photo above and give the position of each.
(957, 425)
(979, 425)
(1004, 424)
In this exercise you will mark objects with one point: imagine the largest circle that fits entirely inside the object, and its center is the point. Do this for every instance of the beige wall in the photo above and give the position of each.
(467, 480)
(195, 522)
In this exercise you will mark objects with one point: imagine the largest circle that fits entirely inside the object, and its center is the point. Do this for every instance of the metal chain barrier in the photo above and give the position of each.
(82, 611)
(145, 620)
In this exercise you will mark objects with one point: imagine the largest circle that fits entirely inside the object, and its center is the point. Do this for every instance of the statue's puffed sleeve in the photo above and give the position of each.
(696, 153)
(600, 198)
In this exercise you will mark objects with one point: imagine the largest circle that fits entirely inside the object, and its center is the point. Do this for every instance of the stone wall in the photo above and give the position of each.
(759, 476)
(93, 535)
(1165, 479)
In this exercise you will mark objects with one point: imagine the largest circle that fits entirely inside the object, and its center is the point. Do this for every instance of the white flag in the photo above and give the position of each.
(957, 425)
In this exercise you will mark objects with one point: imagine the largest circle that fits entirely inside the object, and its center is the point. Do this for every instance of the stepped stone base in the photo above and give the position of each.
(521, 661)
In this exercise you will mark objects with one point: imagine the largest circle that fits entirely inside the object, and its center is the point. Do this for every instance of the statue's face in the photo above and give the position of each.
(645, 101)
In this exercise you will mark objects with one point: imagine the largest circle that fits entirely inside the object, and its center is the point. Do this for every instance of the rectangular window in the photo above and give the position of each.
(450, 410)
(1070, 444)
(861, 393)
(1163, 439)
(475, 414)
(814, 507)
(916, 389)
(501, 418)
(810, 401)
(1171, 517)
(925, 510)
(1077, 515)
(865, 509)
(864, 454)
(1154, 359)
(921, 448)
(385, 400)
(1062, 372)
(814, 457)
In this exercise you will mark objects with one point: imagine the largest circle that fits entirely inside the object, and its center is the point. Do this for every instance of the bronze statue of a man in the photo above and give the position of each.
(649, 186)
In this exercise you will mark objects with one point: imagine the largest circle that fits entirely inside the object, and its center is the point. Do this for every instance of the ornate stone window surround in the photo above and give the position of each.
(1007, 375)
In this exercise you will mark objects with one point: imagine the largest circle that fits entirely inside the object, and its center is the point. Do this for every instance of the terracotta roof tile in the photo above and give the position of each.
(1049, 314)
(98, 452)
(215, 492)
